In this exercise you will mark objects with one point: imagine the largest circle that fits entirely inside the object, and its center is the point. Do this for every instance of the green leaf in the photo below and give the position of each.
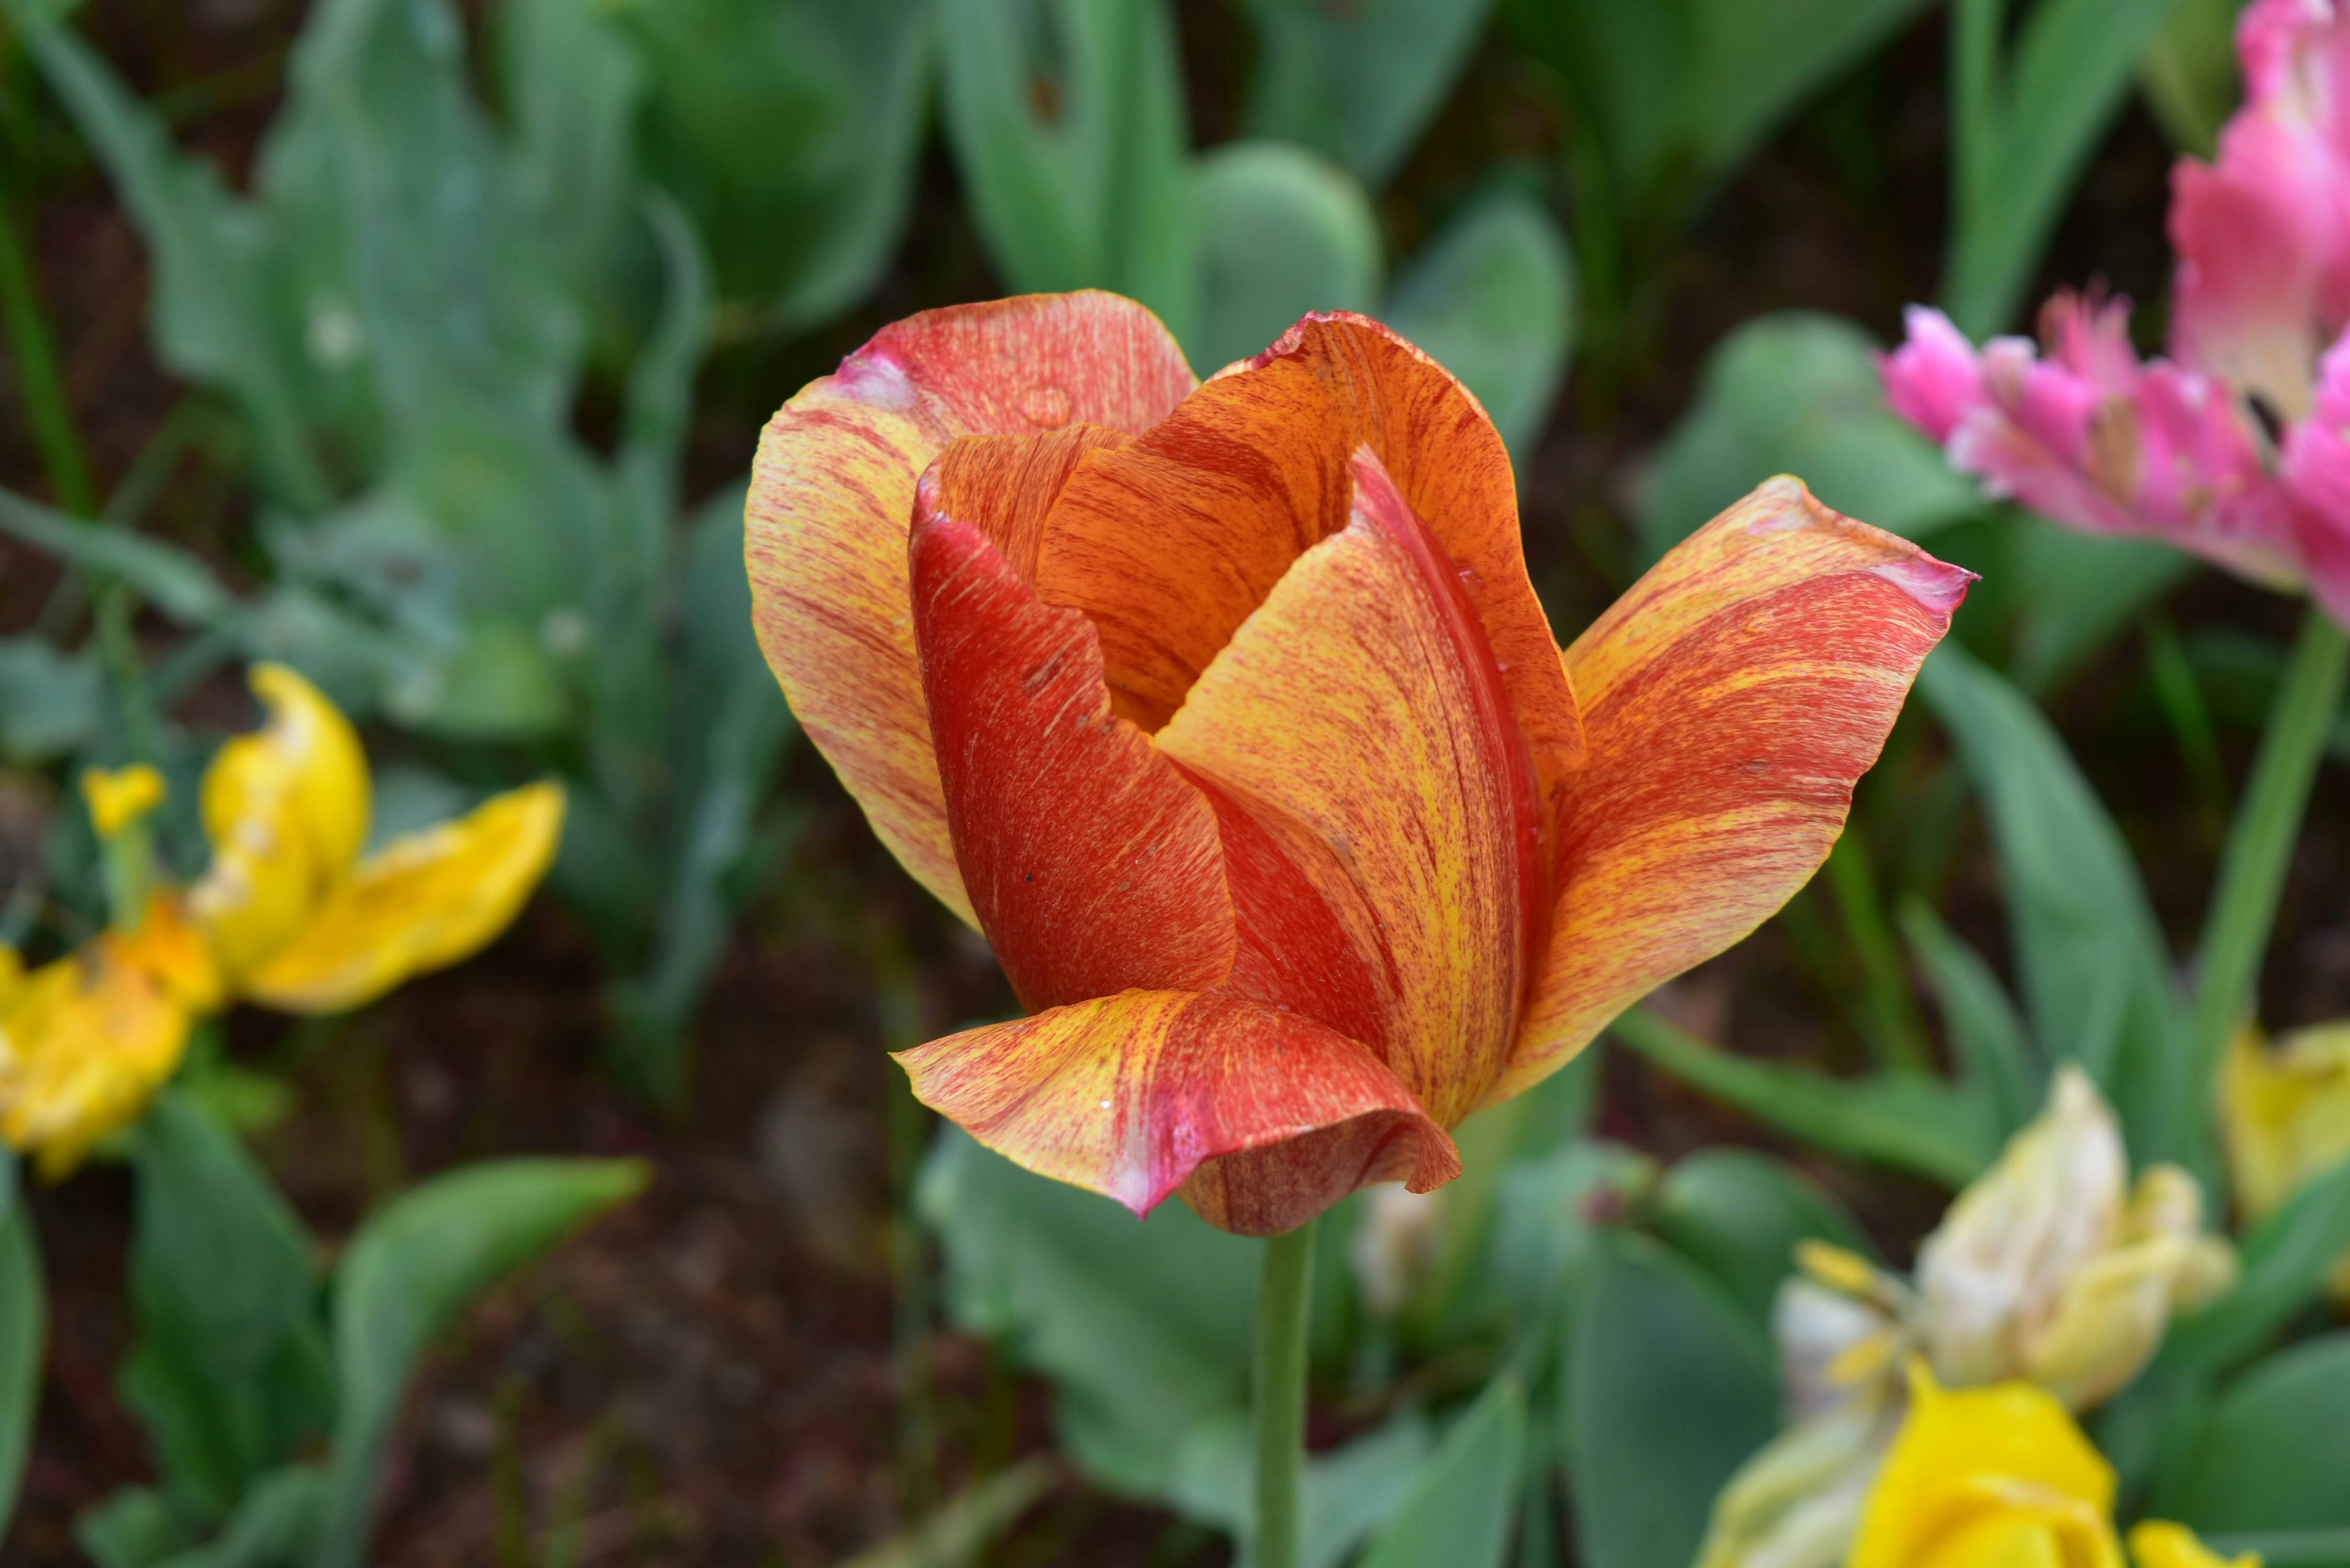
(2072, 593)
(1738, 1214)
(1994, 1053)
(1284, 232)
(223, 305)
(1144, 1327)
(1356, 82)
(1798, 394)
(1077, 177)
(1906, 1120)
(272, 1528)
(2025, 134)
(791, 129)
(1348, 1491)
(2096, 977)
(23, 1322)
(574, 90)
(229, 1370)
(2287, 1259)
(966, 1524)
(135, 1527)
(1492, 299)
(173, 581)
(1462, 1500)
(1546, 1224)
(1669, 1388)
(2270, 1456)
(51, 703)
(2188, 74)
(412, 1267)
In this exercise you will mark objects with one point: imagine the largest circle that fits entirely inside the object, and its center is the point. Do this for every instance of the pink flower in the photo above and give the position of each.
(2263, 234)
(2182, 449)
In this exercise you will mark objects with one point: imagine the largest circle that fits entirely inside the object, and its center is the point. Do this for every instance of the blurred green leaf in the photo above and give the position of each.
(175, 582)
(1994, 1052)
(791, 129)
(2188, 75)
(1739, 1213)
(2097, 976)
(1905, 1120)
(1798, 394)
(2072, 593)
(1348, 1491)
(1144, 1327)
(1492, 299)
(411, 1268)
(272, 1528)
(23, 1327)
(229, 1371)
(135, 1527)
(2271, 1455)
(966, 1524)
(1356, 81)
(573, 92)
(2027, 119)
(2287, 1258)
(1549, 1215)
(1284, 232)
(1465, 1495)
(51, 703)
(1067, 120)
(1670, 1387)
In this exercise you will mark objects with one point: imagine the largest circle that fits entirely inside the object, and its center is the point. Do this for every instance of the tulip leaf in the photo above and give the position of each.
(2270, 1455)
(23, 1311)
(1346, 1493)
(2188, 74)
(573, 93)
(2027, 120)
(1906, 1120)
(1993, 1049)
(2287, 1258)
(229, 1371)
(791, 130)
(967, 1523)
(412, 1267)
(1738, 1214)
(1284, 232)
(173, 581)
(51, 703)
(2072, 591)
(135, 1527)
(1547, 1224)
(1798, 394)
(1669, 1388)
(2096, 977)
(1080, 177)
(1144, 1326)
(1356, 82)
(1492, 299)
(1465, 1495)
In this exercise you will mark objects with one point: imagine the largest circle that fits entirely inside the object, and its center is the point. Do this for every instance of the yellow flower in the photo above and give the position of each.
(2157, 1543)
(119, 798)
(1987, 1477)
(85, 1041)
(299, 920)
(2286, 1117)
(289, 914)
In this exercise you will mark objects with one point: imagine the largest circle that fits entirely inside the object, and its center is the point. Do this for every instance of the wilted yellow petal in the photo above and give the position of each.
(2158, 1543)
(1982, 1478)
(88, 1039)
(422, 901)
(120, 797)
(287, 810)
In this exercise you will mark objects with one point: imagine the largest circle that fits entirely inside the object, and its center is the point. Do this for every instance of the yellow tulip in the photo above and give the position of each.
(289, 915)
(2286, 1117)
(1987, 1477)
(2157, 1543)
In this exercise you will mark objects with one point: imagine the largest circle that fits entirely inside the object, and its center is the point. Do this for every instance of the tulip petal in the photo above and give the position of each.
(1092, 862)
(1169, 543)
(419, 903)
(1730, 699)
(832, 496)
(285, 807)
(1130, 1094)
(1358, 717)
(1005, 485)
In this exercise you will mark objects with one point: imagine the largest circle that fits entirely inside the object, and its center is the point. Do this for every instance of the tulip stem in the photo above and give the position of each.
(1284, 1299)
(2260, 840)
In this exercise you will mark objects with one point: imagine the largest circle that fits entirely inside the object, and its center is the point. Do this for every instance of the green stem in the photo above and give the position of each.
(2261, 841)
(1896, 1032)
(1282, 1317)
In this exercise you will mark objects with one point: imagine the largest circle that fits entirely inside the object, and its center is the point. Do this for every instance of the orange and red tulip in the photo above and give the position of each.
(1227, 712)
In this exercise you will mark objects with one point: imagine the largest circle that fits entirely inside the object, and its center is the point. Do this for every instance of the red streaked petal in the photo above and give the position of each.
(1093, 864)
(1006, 484)
(1730, 699)
(832, 495)
(1130, 1094)
(1171, 543)
(1358, 718)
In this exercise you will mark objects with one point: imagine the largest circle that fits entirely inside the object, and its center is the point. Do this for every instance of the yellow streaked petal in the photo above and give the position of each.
(87, 1039)
(120, 797)
(286, 808)
(419, 903)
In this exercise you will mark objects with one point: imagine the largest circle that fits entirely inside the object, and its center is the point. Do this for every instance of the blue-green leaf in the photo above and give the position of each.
(1356, 82)
(1465, 1495)
(2270, 1456)
(1739, 1214)
(1284, 232)
(1994, 1052)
